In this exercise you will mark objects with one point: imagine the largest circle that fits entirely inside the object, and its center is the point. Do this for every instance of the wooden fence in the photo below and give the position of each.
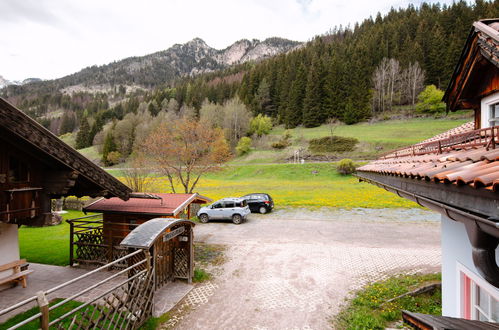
(123, 300)
(91, 243)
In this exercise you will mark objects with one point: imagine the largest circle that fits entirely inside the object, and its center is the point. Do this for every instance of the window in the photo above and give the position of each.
(18, 170)
(479, 300)
(494, 115)
(217, 206)
(229, 204)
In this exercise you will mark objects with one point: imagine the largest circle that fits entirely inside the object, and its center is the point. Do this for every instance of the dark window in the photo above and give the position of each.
(18, 170)
(229, 204)
(217, 206)
(494, 115)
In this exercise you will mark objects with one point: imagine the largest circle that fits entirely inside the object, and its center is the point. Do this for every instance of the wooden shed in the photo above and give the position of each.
(96, 239)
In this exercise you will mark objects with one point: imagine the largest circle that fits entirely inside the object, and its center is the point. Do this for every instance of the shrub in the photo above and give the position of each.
(345, 166)
(113, 158)
(430, 100)
(260, 125)
(200, 275)
(243, 146)
(332, 144)
(283, 142)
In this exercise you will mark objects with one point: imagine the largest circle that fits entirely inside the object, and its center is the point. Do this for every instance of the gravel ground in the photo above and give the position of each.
(293, 268)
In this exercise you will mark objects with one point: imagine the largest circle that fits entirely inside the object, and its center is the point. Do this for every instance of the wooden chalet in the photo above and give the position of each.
(36, 167)
(457, 174)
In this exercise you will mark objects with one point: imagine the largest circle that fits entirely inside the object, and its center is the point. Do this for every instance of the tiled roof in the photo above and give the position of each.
(467, 163)
(166, 204)
(464, 128)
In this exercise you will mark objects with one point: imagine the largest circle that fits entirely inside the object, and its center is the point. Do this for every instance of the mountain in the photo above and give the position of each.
(149, 71)
(4, 82)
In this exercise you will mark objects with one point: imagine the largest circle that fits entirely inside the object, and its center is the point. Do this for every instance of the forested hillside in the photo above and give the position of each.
(334, 76)
(348, 74)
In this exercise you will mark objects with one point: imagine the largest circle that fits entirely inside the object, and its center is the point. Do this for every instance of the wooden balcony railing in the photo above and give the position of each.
(485, 137)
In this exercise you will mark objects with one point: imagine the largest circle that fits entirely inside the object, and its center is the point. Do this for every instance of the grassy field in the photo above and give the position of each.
(294, 185)
(374, 138)
(47, 245)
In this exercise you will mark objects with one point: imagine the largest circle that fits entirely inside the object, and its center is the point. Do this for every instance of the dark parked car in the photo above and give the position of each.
(259, 202)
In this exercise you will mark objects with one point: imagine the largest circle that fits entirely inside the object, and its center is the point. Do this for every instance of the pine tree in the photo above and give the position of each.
(83, 136)
(294, 113)
(109, 146)
(314, 113)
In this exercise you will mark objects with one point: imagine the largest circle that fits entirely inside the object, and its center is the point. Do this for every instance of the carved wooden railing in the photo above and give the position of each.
(485, 137)
(123, 300)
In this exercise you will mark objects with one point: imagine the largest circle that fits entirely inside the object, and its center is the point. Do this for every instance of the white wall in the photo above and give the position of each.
(9, 246)
(456, 249)
(485, 109)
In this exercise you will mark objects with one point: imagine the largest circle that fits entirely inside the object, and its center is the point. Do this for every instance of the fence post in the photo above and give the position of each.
(71, 242)
(43, 304)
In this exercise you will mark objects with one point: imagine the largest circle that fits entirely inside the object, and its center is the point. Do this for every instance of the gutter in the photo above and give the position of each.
(483, 233)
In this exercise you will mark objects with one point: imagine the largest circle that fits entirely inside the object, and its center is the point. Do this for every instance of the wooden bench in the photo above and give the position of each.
(20, 272)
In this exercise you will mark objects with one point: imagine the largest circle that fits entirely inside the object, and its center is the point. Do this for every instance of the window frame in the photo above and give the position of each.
(470, 285)
(494, 114)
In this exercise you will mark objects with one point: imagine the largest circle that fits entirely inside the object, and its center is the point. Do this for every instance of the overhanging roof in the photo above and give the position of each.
(475, 74)
(90, 179)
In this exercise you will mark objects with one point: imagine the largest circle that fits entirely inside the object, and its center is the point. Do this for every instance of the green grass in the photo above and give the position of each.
(200, 275)
(91, 153)
(47, 245)
(375, 138)
(295, 185)
(151, 324)
(369, 310)
(35, 324)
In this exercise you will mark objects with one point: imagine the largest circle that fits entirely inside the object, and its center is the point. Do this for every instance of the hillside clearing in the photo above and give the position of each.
(374, 138)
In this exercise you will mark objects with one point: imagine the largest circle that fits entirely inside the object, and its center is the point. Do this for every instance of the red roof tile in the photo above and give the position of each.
(167, 204)
(463, 159)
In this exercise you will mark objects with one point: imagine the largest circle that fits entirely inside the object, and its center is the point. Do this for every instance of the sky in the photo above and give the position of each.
(52, 38)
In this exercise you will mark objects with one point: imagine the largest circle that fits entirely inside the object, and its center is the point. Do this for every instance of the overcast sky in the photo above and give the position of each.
(52, 38)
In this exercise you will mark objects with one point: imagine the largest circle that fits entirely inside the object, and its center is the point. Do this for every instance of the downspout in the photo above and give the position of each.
(483, 233)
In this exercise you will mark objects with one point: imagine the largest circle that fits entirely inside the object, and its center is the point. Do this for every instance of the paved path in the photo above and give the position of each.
(284, 272)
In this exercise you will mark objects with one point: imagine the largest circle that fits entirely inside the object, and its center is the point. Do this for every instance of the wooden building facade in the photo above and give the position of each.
(457, 174)
(36, 167)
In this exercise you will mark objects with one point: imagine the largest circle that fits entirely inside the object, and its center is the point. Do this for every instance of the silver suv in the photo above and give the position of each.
(235, 209)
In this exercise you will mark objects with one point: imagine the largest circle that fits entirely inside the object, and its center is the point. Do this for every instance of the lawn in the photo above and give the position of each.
(294, 185)
(369, 308)
(374, 138)
(47, 245)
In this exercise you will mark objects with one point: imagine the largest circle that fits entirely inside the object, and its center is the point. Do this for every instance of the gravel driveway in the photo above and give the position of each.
(292, 269)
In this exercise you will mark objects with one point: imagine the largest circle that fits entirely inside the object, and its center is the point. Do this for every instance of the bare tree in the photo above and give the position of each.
(413, 83)
(186, 149)
(138, 176)
(393, 85)
(233, 117)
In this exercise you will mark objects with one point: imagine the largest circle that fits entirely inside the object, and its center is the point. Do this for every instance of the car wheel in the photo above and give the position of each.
(204, 218)
(262, 209)
(237, 219)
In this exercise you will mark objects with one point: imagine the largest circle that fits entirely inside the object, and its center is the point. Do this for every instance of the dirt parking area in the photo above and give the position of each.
(292, 269)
